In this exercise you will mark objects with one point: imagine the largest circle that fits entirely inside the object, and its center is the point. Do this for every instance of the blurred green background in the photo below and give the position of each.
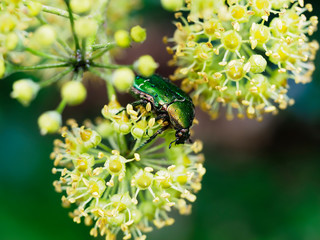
(262, 180)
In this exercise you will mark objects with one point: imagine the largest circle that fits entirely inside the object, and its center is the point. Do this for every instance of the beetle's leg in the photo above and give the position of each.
(165, 120)
(120, 111)
(134, 104)
(162, 116)
(161, 130)
(139, 102)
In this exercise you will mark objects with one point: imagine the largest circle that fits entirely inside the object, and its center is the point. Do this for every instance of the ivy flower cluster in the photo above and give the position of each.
(241, 54)
(65, 39)
(119, 185)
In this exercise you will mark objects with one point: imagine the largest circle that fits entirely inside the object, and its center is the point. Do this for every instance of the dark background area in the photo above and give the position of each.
(262, 180)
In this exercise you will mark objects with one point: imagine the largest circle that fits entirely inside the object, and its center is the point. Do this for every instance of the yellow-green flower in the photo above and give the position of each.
(118, 183)
(242, 54)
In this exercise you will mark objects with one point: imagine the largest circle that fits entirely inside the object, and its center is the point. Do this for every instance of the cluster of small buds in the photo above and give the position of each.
(120, 184)
(241, 54)
(124, 38)
(29, 41)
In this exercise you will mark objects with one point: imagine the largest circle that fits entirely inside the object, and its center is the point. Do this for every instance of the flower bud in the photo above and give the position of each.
(7, 23)
(145, 65)
(12, 40)
(89, 138)
(74, 93)
(172, 5)
(258, 64)
(86, 27)
(24, 91)
(34, 8)
(143, 179)
(235, 70)
(138, 34)
(45, 35)
(49, 122)
(105, 129)
(122, 79)
(96, 187)
(80, 6)
(122, 38)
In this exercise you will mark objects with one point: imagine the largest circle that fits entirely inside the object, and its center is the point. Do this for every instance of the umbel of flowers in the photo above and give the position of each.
(241, 54)
(64, 40)
(119, 184)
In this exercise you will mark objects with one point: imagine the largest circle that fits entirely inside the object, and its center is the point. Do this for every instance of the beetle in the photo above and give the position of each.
(170, 103)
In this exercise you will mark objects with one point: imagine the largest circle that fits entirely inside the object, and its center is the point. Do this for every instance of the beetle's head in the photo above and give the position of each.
(182, 135)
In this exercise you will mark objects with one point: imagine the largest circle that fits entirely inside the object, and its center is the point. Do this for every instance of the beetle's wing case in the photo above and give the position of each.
(161, 90)
(181, 114)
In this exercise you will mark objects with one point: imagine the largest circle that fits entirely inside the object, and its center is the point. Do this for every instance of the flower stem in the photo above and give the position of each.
(45, 55)
(65, 46)
(76, 40)
(61, 106)
(52, 10)
(44, 66)
(107, 46)
(55, 78)
(105, 147)
(110, 88)
(110, 66)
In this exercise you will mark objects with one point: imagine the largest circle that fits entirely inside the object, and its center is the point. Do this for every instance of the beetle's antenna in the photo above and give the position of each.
(173, 142)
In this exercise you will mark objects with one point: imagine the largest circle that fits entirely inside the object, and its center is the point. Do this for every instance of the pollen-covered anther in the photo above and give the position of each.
(270, 109)
(156, 199)
(189, 196)
(238, 93)
(169, 221)
(137, 157)
(165, 195)
(172, 167)
(151, 122)
(97, 171)
(159, 223)
(148, 169)
(196, 147)
(148, 107)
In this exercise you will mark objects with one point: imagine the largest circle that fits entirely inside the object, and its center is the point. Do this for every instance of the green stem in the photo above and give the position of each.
(42, 20)
(105, 147)
(111, 91)
(55, 78)
(61, 106)
(84, 48)
(78, 76)
(65, 46)
(108, 46)
(76, 40)
(123, 143)
(99, 54)
(44, 66)
(110, 88)
(52, 10)
(136, 145)
(110, 66)
(45, 55)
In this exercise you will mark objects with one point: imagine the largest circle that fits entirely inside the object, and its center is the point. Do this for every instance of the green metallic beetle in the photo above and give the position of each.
(169, 102)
